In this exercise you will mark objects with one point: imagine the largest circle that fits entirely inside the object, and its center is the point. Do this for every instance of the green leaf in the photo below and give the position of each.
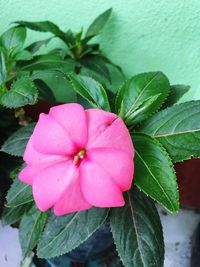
(31, 228)
(64, 233)
(34, 47)
(154, 173)
(91, 90)
(13, 215)
(137, 232)
(23, 92)
(44, 26)
(178, 129)
(13, 39)
(98, 23)
(134, 93)
(19, 194)
(177, 91)
(3, 70)
(45, 92)
(23, 55)
(58, 83)
(45, 62)
(16, 143)
(97, 65)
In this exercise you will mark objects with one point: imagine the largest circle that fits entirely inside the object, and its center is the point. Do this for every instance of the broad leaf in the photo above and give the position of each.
(141, 96)
(137, 232)
(22, 92)
(16, 143)
(177, 91)
(91, 90)
(13, 39)
(64, 233)
(13, 215)
(154, 173)
(98, 23)
(31, 228)
(178, 129)
(45, 92)
(19, 194)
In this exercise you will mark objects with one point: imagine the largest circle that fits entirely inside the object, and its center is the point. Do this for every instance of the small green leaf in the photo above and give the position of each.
(177, 91)
(44, 26)
(135, 92)
(91, 90)
(13, 215)
(3, 70)
(31, 228)
(23, 92)
(23, 55)
(34, 47)
(154, 173)
(45, 92)
(137, 232)
(98, 23)
(13, 39)
(19, 194)
(64, 233)
(178, 129)
(16, 143)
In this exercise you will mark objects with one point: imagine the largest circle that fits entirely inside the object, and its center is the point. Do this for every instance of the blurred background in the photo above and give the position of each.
(141, 36)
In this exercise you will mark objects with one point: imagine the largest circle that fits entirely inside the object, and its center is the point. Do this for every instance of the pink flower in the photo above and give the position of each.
(77, 159)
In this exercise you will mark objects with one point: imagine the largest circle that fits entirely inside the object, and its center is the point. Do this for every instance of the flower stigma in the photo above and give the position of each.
(79, 156)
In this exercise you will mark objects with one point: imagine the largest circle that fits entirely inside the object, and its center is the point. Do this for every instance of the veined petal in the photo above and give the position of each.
(51, 182)
(98, 187)
(73, 119)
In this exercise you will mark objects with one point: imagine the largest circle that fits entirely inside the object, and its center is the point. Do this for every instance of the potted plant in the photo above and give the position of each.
(94, 166)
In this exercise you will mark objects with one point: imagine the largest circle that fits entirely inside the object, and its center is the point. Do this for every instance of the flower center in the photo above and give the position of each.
(79, 156)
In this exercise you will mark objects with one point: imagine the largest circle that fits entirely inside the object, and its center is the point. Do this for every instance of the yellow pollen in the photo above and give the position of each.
(79, 156)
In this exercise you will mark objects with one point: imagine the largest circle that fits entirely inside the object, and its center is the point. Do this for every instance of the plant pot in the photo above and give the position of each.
(99, 250)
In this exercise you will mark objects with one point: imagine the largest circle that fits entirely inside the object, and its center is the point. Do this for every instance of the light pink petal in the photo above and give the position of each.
(51, 182)
(108, 130)
(73, 119)
(117, 164)
(72, 199)
(98, 187)
(49, 137)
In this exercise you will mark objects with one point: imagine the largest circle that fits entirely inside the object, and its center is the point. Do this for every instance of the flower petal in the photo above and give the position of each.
(98, 187)
(49, 137)
(73, 119)
(72, 199)
(116, 163)
(107, 130)
(51, 182)
(32, 156)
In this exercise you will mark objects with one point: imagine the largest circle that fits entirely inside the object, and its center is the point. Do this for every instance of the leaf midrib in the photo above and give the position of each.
(141, 93)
